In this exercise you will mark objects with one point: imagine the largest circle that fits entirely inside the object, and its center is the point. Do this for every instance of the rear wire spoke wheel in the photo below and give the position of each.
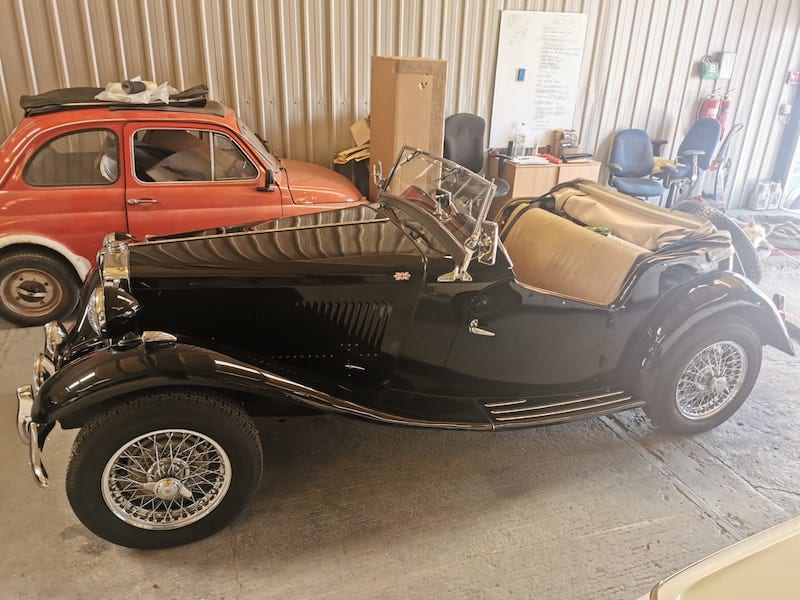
(164, 468)
(704, 377)
(711, 380)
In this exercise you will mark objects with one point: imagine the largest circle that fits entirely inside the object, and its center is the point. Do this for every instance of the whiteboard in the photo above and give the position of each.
(549, 46)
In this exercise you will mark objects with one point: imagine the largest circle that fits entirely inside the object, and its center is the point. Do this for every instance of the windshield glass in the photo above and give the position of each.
(259, 146)
(458, 198)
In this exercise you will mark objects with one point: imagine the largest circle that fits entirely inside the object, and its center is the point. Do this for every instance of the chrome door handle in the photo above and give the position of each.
(474, 328)
(135, 201)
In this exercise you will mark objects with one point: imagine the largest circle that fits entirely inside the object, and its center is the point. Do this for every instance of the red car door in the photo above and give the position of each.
(183, 177)
(65, 192)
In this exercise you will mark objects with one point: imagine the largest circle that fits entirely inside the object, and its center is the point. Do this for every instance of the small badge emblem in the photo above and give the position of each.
(402, 276)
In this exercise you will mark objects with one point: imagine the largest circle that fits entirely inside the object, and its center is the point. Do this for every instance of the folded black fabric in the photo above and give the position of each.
(80, 97)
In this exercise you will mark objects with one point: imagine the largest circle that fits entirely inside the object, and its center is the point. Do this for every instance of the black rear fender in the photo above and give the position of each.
(715, 296)
(92, 383)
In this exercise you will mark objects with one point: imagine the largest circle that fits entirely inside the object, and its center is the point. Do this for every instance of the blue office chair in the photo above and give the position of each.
(463, 144)
(631, 163)
(694, 157)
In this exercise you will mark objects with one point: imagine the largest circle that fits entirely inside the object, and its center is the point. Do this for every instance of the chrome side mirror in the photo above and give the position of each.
(487, 244)
(377, 174)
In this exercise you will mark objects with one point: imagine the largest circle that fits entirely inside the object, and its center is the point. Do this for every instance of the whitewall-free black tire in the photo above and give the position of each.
(705, 377)
(164, 468)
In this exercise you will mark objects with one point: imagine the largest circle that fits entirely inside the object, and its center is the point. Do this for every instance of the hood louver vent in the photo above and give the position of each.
(360, 324)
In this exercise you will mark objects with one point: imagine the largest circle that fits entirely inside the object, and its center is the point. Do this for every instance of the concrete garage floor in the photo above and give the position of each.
(596, 509)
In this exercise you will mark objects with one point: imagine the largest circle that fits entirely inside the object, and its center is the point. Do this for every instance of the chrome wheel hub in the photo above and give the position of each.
(168, 488)
(166, 479)
(711, 380)
(31, 292)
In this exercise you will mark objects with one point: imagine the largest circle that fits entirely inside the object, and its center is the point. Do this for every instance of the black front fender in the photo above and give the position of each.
(711, 296)
(74, 392)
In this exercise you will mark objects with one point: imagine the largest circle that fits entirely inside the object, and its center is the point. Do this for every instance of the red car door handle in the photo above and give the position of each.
(135, 201)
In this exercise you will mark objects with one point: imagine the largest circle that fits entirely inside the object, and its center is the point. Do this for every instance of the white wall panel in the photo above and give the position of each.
(298, 70)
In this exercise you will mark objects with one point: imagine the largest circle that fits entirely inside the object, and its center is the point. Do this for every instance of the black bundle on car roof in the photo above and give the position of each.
(84, 97)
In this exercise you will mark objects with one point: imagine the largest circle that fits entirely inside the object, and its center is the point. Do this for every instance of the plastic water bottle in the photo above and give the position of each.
(520, 139)
(760, 198)
(775, 193)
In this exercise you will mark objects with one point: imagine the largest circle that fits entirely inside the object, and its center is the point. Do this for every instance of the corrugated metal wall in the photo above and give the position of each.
(298, 70)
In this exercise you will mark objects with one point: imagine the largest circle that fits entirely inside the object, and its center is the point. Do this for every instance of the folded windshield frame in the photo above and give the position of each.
(457, 198)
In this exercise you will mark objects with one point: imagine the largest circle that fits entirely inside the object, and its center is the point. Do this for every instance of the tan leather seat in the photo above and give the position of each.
(554, 254)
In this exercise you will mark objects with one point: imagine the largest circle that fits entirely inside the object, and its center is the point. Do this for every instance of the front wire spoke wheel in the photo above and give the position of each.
(711, 380)
(166, 479)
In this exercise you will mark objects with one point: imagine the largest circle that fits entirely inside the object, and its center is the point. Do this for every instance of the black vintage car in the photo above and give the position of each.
(415, 310)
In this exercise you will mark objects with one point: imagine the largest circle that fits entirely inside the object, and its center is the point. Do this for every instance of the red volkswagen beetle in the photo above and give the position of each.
(75, 169)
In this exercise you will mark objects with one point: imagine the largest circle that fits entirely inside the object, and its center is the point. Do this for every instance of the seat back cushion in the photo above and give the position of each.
(637, 222)
(463, 140)
(553, 254)
(632, 150)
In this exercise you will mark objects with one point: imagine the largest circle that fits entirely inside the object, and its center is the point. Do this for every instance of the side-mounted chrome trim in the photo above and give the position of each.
(324, 401)
(260, 231)
(534, 411)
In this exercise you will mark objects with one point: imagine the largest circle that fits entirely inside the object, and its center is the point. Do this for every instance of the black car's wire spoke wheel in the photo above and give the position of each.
(164, 468)
(35, 288)
(711, 379)
(705, 376)
(166, 479)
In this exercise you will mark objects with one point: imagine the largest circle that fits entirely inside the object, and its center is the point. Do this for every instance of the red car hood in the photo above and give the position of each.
(313, 184)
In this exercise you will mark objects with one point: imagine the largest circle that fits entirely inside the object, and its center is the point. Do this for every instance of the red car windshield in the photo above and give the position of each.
(258, 145)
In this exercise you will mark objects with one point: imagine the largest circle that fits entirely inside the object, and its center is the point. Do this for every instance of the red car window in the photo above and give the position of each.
(80, 158)
(161, 155)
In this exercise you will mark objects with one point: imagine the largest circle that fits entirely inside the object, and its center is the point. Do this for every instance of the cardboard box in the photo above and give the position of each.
(360, 131)
(407, 108)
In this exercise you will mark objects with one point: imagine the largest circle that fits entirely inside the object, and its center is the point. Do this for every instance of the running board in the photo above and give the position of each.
(525, 412)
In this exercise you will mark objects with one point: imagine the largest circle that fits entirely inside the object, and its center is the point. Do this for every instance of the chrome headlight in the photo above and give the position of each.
(96, 310)
(111, 310)
(54, 336)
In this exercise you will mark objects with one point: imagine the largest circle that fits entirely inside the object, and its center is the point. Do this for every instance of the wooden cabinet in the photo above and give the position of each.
(529, 181)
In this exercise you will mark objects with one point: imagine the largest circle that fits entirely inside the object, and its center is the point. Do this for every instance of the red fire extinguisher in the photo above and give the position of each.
(724, 109)
(709, 109)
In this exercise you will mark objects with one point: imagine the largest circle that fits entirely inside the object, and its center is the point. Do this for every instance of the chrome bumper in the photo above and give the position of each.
(28, 432)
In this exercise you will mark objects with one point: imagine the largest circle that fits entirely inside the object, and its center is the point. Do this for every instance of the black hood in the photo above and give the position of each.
(349, 238)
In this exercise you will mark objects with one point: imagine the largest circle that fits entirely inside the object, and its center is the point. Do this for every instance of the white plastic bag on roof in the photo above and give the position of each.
(114, 92)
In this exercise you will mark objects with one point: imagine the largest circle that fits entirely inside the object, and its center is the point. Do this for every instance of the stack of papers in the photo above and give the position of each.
(355, 153)
(360, 131)
(529, 160)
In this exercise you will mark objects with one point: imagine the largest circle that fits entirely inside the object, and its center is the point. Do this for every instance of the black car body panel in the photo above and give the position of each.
(361, 312)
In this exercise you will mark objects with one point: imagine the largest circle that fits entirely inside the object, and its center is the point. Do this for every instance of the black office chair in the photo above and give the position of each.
(631, 163)
(694, 157)
(463, 144)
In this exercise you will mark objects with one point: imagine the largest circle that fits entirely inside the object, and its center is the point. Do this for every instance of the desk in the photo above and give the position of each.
(530, 181)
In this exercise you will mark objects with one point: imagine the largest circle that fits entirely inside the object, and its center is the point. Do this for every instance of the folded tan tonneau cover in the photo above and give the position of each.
(633, 220)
